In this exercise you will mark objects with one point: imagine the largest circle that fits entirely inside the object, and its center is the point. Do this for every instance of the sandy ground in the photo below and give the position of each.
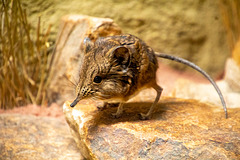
(47, 111)
(166, 78)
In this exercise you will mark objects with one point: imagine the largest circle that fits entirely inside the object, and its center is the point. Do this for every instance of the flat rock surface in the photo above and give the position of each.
(179, 129)
(31, 137)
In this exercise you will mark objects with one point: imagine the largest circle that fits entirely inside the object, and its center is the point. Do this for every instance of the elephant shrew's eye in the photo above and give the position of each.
(97, 79)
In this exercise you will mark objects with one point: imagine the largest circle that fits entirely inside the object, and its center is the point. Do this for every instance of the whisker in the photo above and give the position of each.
(69, 85)
(72, 83)
(75, 81)
(93, 98)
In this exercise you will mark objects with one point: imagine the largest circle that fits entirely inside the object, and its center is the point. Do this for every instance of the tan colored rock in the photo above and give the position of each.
(232, 75)
(236, 53)
(68, 56)
(192, 29)
(179, 129)
(39, 138)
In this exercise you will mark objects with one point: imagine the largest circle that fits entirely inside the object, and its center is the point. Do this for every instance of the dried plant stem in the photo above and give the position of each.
(24, 58)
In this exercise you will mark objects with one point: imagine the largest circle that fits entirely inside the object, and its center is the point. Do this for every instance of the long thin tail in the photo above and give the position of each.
(194, 66)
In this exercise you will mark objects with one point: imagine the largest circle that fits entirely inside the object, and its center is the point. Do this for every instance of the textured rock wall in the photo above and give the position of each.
(191, 29)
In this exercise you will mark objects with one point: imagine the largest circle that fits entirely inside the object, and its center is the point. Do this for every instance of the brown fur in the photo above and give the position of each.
(120, 80)
(115, 68)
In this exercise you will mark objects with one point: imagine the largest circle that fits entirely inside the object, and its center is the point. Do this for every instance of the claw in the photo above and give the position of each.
(101, 108)
(116, 116)
(143, 116)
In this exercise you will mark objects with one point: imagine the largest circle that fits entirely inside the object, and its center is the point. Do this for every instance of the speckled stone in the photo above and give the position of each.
(179, 129)
(29, 137)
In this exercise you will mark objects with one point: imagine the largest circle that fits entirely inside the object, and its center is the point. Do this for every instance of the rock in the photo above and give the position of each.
(184, 28)
(68, 56)
(232, 75)
(229, 86)
(31, 137)
(179, 129)
(236, 53)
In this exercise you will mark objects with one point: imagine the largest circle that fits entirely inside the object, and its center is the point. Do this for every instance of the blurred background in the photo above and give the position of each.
(202, 31)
